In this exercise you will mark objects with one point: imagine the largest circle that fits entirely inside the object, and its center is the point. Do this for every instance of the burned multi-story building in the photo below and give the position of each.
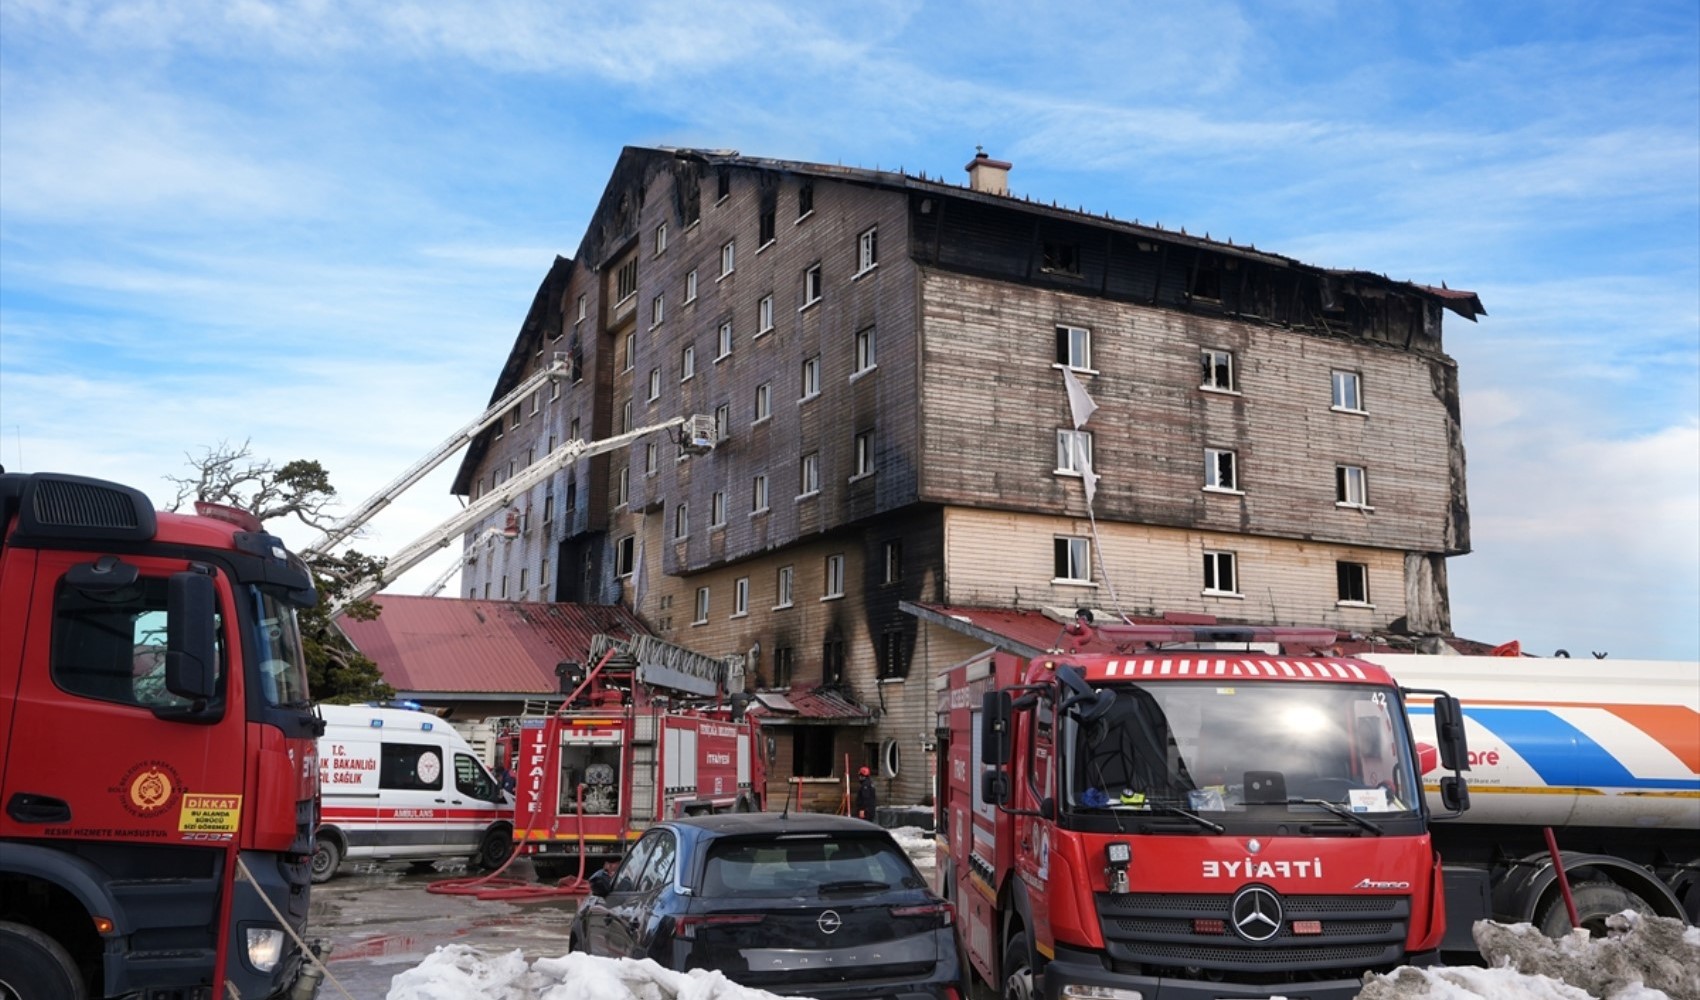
(885, 362)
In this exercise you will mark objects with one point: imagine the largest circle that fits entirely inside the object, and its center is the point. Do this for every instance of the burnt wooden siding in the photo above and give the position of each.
(995, 399)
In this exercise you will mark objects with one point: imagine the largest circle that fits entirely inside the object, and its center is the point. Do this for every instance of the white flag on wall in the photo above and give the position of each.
(1080, 405)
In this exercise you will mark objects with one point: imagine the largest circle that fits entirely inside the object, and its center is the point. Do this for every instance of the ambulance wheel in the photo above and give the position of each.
(497, 847)
(1595, 901)
(33, 966)
(1018, 969)
(327, 858)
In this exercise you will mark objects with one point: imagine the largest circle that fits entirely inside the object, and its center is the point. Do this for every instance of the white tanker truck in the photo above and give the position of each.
(1605, 752)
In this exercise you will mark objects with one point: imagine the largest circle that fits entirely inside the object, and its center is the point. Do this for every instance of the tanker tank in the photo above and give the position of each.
(1605, 752)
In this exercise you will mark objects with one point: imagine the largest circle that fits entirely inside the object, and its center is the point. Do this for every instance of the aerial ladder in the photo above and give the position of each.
(696, 437)
(339, 532)
(508, 530)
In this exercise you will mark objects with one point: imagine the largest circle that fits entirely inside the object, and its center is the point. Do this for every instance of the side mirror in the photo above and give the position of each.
(995, 711)
(600, 882)
(1449, 729)
(1454, 794)
(191, 638)
(994, 787)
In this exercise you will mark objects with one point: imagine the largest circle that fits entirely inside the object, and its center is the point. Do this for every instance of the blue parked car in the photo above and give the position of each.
(820, 906)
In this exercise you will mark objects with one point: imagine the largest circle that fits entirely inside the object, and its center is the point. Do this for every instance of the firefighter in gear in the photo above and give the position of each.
(867, 799)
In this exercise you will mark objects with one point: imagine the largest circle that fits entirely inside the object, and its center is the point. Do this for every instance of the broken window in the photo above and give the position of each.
(832, 661)
(1058, 257)
(893, 655)
(1219, 470)
(1218, 369)
(1205, 281)
(722, 184)
(624, 551)
(805, 200)
(764, 228)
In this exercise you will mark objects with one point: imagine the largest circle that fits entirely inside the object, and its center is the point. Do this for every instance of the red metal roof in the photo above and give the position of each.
(444, 644)
(814, 705)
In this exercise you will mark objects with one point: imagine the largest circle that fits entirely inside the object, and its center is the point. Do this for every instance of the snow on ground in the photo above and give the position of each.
(1644, 958)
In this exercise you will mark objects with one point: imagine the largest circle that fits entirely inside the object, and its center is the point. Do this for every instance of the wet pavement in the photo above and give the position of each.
(382, 919)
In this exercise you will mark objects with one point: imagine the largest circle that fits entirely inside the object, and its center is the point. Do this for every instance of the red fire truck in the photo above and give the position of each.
(644, 735)
(1140, 822)
(160, 775)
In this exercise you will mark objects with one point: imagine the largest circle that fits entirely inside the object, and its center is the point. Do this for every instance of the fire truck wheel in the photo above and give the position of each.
(1018, 969)
(498, 844)
(34, 967)
(327, 858)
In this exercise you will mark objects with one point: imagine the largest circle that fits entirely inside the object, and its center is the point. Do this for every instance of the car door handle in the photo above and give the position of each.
(442, 800)
(27, 807)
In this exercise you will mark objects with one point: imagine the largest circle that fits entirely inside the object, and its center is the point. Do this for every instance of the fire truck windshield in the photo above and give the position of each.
(277, 641)
(1212, 750)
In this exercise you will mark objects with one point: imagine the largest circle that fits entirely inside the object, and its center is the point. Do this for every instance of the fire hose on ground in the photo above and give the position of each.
(494, 886)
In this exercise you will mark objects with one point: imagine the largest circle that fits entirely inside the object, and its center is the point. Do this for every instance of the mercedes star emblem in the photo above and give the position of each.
(1256, 912)
(829, 921)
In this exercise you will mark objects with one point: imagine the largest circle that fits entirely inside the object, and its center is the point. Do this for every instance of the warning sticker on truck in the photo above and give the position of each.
(210, 814)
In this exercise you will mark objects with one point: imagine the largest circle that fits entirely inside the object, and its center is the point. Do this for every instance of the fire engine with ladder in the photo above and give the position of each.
(644, 734)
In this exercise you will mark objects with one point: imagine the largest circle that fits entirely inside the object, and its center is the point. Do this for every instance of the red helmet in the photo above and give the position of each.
(864, 772)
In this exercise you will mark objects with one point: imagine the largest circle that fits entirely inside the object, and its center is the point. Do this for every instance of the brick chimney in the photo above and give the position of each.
(986, 174)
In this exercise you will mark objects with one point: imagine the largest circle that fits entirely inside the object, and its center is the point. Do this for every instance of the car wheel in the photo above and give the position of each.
(33, 966)
(1018, 969)
(497, 847)
(327, 858)
(1595, 901)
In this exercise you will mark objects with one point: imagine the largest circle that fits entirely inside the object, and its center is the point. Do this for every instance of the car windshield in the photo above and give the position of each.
(1209, 748)
(278, 650)
(806, 866)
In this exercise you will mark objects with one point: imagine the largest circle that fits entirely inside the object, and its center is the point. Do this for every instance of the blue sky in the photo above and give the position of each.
(316, 227)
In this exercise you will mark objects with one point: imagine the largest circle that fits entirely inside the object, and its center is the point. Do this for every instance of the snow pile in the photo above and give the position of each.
(1642, 958)
(461, 972)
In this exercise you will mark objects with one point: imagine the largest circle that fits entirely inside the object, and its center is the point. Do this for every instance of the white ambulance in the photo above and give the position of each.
(397, 784)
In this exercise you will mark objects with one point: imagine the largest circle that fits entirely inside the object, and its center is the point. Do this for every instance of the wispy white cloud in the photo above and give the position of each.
(318, 225)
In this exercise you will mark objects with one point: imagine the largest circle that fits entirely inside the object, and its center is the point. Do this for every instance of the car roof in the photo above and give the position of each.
(774, 824)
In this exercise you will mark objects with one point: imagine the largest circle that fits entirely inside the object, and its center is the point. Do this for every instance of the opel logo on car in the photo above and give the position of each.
(1256, 912)
(829, 922)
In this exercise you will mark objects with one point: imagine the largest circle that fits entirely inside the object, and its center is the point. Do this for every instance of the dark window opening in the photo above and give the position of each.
(893, 655)
(811, 752)
(765, 236)
(805, 200)
(1205, 282)
(1354, 581)
(783, 660)
(723, 184)
(832, 661)
(1060, 258)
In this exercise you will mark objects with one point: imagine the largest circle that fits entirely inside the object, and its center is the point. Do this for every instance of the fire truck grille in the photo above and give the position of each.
(1160, 930)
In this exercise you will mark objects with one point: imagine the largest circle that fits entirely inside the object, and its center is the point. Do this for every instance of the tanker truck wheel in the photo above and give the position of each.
(1595, 901)
(1018, 969)
(34, 967)
(327, 858)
